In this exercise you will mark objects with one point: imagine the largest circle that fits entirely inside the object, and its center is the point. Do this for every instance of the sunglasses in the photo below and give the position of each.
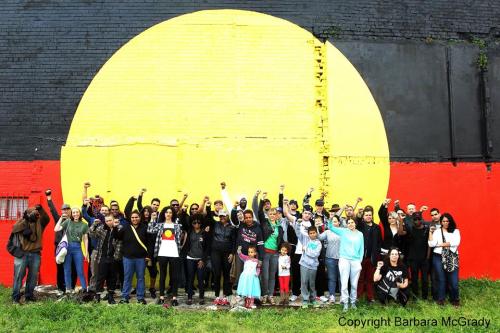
(196, 222)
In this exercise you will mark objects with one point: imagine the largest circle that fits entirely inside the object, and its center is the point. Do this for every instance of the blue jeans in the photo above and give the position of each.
(74, 254)
(332, 267)
(444, 278)
(192, 270)
(268, 276)
(131, 266)
(31, 261)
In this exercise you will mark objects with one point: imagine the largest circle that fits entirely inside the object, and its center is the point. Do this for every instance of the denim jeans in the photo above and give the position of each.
(332, 267)
(349, 270)
(30, 261)
(268, 276)
(444, 278)
(74, 254)
(131, 266)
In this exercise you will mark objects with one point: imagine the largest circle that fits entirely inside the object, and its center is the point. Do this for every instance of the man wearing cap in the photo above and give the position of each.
(65, 211)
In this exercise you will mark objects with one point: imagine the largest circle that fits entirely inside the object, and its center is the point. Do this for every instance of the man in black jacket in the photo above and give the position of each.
(372, 244)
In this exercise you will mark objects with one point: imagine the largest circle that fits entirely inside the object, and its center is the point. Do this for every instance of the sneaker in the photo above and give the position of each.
(124, 301)
(265, 300)
(202, 301)
(305, 305)
(133, 292)
(353, 306)
(217, 301)
(16, 302)
(142, 301)
(315, 304)
(271, 300)
(111, 300)
(29, 299)
(160, 301)
(293, 298)
(189, 301)
(323, 299)
(97, 298)
(224, 301)
(152, 291)
(345, 308)
(331, 299)
(175, 302)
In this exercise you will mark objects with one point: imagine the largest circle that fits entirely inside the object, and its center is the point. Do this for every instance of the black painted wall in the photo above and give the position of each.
(416, 57)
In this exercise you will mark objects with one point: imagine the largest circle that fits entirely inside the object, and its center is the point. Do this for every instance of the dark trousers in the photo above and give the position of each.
(61, 285)
(432, 279)
(120, 275)
(321, 280)
(192, 270)
(153, 270)
(401, 297)
(221, 267)
(106, 272)
(420, 266)
(365, 282)
(295, 267)
(173, 265)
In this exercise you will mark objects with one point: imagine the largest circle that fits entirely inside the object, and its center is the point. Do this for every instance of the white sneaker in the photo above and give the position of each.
(331, 299)
(323, 299)
(293, 298)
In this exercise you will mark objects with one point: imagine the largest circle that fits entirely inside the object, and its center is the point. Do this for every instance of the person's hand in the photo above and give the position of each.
(424, 208)
(223, 185)
(201, 264)
(48, 192)
(230, 258)
(206, 199)
(184, 208)
(207, 229)
(185, 195)
(396, 202)
(264, 195)
(432, 228)
(257, 193)
(387, 201)
(380, 264)
(86, 202)
(236, 204)
(311, 189)
(239, 249)
(86, 184)
(359, 199)
(285, 202)
(259, 264)
(282, 188)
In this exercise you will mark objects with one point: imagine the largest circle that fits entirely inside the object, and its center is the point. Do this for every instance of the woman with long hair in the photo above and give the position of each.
(391, 278)
(445, 238)
(76, 231)
(167, 249)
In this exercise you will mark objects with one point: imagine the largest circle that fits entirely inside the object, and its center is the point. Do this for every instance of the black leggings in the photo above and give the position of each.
(174, 264)
(220, 264)
(295, 267)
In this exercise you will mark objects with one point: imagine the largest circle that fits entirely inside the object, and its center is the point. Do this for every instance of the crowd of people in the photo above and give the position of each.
(256, 253)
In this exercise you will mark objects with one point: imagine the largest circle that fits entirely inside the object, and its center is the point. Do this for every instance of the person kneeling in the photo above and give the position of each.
(391, 277)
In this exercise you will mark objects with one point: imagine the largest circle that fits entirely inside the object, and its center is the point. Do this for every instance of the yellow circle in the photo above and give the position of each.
(228, 95)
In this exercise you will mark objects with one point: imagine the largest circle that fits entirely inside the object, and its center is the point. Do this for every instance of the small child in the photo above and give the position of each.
(284, 273)
(308, 263)
(249, 284)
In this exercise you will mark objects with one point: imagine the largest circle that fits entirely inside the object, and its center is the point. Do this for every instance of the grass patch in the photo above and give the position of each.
(480, 299)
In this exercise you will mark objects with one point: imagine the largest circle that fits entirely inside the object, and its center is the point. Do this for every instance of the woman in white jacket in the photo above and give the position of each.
(447, 237)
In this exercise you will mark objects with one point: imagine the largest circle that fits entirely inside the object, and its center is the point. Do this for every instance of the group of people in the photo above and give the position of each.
(309, 253)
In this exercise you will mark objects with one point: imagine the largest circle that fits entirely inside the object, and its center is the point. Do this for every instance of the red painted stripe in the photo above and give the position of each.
(468, 191)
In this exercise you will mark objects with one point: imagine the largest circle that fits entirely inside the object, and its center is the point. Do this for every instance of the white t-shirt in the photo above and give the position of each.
(284, 265)
(298, 248)
(168, 246)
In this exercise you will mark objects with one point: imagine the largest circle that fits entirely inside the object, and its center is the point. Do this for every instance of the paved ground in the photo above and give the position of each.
(50, 292)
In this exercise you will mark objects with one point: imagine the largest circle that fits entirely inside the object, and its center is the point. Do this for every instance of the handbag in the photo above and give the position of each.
(62, 248)
(449, 258)
(14, 245)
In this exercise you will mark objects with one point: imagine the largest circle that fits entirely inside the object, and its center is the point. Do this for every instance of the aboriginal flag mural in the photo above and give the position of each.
(254, 100)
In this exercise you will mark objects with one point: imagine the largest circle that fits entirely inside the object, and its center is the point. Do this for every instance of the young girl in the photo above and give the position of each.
(284, 273)
(248, 284)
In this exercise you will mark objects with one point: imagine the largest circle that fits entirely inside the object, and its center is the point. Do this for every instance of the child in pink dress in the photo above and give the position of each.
(249, 284)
